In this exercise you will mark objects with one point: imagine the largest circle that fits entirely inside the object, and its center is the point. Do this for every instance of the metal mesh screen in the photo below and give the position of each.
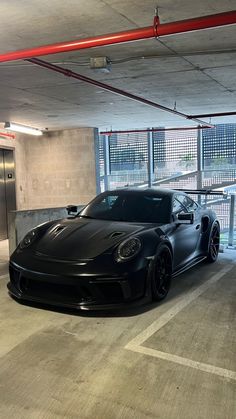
(219, 146)
(128, 151)
(175, 151)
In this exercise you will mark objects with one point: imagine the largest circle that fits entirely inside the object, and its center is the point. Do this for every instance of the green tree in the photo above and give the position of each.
(187, 161)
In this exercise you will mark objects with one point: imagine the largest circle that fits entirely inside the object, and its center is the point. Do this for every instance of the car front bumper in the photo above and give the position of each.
(79, 291)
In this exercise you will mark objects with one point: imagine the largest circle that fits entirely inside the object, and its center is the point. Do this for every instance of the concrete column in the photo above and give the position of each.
(97, 162)
(231, 221)
(199, 163)
(150, 158)
(199, 159)
(106, 157)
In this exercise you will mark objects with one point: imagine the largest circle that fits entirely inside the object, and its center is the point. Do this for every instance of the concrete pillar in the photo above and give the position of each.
(106, 157)
(150, 158)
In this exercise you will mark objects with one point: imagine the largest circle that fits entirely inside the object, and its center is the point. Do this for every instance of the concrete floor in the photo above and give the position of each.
(171, 360)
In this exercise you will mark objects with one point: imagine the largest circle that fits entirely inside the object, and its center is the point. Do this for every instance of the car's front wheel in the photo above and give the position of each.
(214, 244)
(161, 273)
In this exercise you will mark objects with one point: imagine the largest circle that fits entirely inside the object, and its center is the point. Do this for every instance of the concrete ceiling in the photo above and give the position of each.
(196, 72)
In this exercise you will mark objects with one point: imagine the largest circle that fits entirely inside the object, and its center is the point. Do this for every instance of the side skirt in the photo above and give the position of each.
(189, 265)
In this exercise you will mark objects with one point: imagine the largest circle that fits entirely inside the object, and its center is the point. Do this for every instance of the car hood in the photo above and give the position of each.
(84, 239)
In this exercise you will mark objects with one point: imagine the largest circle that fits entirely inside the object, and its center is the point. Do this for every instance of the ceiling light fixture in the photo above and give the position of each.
(22, 128)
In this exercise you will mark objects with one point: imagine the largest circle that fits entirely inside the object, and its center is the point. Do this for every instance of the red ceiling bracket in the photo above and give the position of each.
(156, 23)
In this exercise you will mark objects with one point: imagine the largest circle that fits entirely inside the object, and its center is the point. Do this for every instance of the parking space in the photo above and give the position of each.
(81, 365)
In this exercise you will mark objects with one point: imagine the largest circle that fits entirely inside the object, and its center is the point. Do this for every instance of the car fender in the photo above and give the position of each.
(206, 234)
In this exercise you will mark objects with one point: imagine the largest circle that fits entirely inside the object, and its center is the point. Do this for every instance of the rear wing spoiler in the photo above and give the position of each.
(203, 192)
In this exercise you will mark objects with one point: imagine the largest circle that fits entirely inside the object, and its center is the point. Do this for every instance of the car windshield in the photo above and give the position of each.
(143, 208)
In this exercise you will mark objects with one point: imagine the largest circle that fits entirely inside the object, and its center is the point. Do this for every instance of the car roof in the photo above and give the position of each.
(144, 191)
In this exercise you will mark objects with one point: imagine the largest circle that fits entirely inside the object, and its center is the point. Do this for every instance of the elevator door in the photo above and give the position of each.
(7, 189)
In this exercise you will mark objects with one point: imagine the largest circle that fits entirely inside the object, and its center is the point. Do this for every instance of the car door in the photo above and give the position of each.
(185, 237)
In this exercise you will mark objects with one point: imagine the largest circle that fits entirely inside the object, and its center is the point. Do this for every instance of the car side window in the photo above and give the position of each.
(192, 206)
(187, 202)
(177, 207)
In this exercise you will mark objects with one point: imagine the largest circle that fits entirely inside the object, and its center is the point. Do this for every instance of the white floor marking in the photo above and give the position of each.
(135, 344)
(184, 361)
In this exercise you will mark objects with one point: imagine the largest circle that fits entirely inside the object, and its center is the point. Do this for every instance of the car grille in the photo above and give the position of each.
(75, 290)
(111, 292)
(47, 290)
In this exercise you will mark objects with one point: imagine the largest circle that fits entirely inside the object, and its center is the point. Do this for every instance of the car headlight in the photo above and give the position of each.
(28, 239)
(128, 249)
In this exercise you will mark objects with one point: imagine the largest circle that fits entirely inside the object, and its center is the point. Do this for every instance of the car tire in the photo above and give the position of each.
(214, 244)
(161, 273)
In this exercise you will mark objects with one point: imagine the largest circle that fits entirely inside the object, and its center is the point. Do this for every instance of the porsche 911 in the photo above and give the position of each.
(123, 248)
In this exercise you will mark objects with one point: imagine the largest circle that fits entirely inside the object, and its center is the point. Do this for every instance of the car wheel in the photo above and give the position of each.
(161, 274)
(214, 244)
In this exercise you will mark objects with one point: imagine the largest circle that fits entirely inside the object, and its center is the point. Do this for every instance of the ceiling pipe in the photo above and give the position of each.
(156, 30)
(130, 131)
(7, 135)
(212, 115)
(107, 87)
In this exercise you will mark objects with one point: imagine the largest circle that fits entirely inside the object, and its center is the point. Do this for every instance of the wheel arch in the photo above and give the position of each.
(214, 223)
(159, 292)
(164, 242)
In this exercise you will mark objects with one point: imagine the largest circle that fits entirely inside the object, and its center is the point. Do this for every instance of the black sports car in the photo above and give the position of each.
(123, 247)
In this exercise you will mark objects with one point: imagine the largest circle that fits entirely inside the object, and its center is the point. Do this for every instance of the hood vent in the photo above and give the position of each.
(58, 229)
(116, 234)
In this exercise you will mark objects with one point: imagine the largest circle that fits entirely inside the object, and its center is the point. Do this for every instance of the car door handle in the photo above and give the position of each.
(198, 226)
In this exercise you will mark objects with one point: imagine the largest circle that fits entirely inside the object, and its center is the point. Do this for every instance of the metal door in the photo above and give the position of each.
(7, 189)
(3, 206)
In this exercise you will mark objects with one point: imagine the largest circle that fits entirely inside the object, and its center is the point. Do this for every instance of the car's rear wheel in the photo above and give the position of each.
(161, 273)
(214, 244)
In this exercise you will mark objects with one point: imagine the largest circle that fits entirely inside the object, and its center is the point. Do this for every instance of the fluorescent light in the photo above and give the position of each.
(22, 128)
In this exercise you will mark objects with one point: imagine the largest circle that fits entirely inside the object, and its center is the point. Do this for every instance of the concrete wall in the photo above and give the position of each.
(54, 170)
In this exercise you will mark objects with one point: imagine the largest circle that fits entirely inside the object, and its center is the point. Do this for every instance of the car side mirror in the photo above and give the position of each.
(185, 218)
(71, 209)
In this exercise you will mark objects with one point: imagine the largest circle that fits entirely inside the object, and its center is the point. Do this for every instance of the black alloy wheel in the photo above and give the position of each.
(214, 244)
(161, 274)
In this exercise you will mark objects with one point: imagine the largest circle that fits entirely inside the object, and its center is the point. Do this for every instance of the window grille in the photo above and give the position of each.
(219, 146)
(128, 151)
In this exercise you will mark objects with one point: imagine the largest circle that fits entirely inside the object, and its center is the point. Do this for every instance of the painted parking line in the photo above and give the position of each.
(185, 362)
(135, 344)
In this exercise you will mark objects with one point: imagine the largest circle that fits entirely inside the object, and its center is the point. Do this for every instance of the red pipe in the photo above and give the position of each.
(158, 29)
(196, 24)
(154, 130)
(6, 134)
(213, 115)
(97, 41)
(109, 88)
